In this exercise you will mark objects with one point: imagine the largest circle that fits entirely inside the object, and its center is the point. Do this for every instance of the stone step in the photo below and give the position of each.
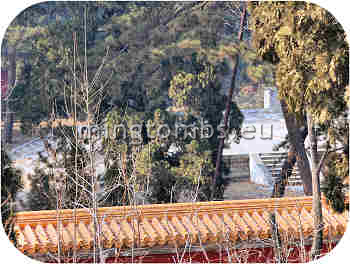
(266, 156)
(278, 171)
(278, 166)
(295, 171)
(274, 162)
(273, 156)
(295, 177)
(273, 153)
(294, 182)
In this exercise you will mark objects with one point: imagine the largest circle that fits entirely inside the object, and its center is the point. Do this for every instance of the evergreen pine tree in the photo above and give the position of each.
(10, 184)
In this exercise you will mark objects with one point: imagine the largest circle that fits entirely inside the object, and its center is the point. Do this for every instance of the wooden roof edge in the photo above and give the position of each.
(32, 217)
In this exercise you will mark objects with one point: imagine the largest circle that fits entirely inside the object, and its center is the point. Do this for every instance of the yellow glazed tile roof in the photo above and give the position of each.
(171, 224)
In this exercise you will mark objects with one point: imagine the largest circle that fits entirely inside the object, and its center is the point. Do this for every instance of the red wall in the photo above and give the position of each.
(260, 255)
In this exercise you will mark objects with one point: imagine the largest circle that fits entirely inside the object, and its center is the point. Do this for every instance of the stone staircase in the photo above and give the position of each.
(273, 162)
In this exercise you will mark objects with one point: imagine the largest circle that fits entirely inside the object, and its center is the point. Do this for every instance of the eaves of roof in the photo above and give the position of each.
(164, 225)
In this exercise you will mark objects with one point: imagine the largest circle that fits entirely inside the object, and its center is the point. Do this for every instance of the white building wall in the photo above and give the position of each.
(271, 101)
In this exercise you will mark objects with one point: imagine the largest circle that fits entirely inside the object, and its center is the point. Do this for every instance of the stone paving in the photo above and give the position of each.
(248, 190)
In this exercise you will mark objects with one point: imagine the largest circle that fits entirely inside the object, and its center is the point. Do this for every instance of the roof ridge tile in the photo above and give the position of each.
(172, 224)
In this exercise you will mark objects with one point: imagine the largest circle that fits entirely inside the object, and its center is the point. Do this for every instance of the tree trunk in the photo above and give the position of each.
(217, 174)
(296, 137)
(276, 238)
(287, 168)
(296, 140)
(316, 196)
(8, 124)
(286, 171)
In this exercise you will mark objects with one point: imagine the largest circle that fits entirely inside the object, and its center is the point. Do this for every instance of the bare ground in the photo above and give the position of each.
(248, 190)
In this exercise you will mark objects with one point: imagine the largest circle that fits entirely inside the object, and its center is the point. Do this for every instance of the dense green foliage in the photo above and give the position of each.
(150, 46)
(54, 182)
(310, 51)
(311, 55)
(165, 163)
(167, 63)
(333, 186)
(148, 43)
(10, 184)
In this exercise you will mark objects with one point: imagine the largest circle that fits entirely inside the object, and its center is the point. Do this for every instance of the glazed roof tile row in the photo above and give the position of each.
(172, 224)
